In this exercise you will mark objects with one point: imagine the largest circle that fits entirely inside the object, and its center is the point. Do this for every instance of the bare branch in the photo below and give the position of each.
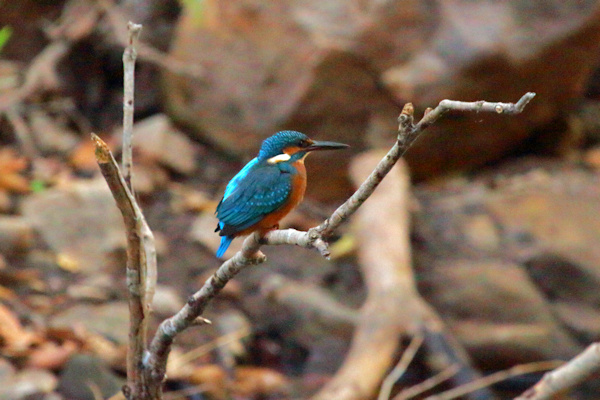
(133, 218)
(400, 368)
(129, 57)
(569, 375)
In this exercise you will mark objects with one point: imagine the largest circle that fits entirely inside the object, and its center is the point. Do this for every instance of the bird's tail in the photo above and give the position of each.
(225, 242)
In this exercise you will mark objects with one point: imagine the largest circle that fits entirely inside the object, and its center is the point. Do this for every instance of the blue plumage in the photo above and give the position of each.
(264, 185)
(262, 190)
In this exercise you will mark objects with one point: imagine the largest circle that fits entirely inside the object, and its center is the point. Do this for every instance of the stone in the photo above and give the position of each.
(110, 320)
(79, 220)
(50, 134)
(341, 71)
(158, 139)
(16, 235)
(510, 259)
(483, 303)
(166, 301)
(83, 371)
(582, 319)
(27, 383)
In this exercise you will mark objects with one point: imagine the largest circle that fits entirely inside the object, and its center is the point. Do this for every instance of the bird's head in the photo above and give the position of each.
(292, 146)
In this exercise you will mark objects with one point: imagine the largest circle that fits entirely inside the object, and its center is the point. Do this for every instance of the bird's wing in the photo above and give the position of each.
(233, 183)
(255, 195)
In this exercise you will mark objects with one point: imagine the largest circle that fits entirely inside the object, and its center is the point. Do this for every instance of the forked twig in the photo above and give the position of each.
(400, 368)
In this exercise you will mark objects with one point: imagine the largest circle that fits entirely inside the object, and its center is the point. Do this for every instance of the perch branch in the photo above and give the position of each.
(569, 375)
(250, 254)
(407, 134)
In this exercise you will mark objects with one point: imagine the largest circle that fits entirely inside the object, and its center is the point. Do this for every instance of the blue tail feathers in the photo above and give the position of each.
(225, 242)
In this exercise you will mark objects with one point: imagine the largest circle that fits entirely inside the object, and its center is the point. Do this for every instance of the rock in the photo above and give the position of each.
(98, 287)
(16, 235)
(340, 71)
(167, 300)
(483, 303)
(28, 382)
(111, 320)
(203, 232)
(159, 140)
(50, 135)
(7, 370)
(513, 249)
(582, 319)
(79, 220)
(83, 371)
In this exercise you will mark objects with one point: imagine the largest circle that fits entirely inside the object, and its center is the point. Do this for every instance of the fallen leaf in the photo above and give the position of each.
(11, 166)
(259, 382)
(51, 355)
(16, 340)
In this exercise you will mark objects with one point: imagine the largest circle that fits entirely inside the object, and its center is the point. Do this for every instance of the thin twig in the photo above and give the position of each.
(567, 376)
(428, 383)
(400, 368)
(187, 358)
(129, 57)
(250, 255)
(495, 378)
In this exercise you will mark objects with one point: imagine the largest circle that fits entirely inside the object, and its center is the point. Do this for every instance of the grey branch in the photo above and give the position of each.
(569, 375)
(129, 57)
(141, 255)
(250, 254)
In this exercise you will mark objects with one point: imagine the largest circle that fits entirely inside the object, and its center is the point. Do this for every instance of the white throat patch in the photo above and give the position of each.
(279, 158)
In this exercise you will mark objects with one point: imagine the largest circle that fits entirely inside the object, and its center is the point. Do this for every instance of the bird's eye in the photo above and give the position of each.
(303, 143)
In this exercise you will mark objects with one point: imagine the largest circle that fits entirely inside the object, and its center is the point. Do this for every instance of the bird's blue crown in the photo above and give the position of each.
(275, 144)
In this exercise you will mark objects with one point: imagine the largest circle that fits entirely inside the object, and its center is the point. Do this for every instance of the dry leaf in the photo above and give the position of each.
(16, 340)
(257, 381)
(11, 165)
(50, 355)
(213, 379)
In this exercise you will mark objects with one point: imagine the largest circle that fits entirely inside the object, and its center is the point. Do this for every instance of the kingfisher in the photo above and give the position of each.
(268, 187)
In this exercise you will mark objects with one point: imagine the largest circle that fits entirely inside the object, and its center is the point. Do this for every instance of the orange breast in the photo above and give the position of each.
(298, 189)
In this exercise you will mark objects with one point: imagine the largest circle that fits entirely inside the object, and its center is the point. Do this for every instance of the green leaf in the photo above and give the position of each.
(5, 34)
(37, 186)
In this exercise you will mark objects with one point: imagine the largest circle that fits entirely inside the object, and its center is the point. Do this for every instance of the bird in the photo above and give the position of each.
(268, 187)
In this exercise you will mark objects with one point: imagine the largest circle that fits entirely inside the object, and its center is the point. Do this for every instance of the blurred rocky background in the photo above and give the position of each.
(505, 210)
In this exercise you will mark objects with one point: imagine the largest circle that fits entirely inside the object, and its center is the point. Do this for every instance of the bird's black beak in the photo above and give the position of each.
(322, 145)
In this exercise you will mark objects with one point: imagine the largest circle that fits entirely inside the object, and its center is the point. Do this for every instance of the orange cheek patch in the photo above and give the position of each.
(291, 150)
